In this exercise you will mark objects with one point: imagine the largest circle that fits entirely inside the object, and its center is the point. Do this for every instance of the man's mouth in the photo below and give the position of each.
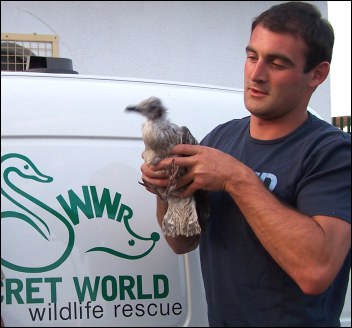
(255, 92)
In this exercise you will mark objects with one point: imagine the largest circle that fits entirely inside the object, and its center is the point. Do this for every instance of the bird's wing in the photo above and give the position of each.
(201, 197)
(187, 136)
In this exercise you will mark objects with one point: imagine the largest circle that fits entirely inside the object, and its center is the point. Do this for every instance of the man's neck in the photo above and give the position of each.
(262, 129)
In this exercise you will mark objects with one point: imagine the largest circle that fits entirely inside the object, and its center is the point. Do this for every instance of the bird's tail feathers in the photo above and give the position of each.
(181, 218)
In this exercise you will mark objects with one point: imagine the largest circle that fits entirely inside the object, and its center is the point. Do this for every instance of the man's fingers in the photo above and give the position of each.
(185, 150)
(183, 156)
(152, 171)
(159, 174)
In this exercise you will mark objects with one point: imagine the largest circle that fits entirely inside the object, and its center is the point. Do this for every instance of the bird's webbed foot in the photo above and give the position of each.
(172, 178)
(153, 188)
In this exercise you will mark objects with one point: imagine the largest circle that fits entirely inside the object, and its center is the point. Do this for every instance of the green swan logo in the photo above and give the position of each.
(50, 224)
(24, 167)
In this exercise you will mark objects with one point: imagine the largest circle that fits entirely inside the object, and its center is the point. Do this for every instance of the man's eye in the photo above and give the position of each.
(278, 66)
(252, 58)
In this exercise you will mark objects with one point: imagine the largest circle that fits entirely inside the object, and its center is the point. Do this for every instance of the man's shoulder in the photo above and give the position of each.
(326, 132)
(227, 129)
(232, 125)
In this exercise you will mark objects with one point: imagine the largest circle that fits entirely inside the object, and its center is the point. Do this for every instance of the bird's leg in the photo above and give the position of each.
(155, 189)
(173, 173)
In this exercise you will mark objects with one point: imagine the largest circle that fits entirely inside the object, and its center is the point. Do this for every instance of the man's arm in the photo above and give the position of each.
(310, 249)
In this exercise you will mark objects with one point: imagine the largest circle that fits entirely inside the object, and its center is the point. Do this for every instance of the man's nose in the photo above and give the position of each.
(259, 71)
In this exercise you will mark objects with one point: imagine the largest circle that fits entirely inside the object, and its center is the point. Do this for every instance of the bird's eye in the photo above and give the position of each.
(131, 242)
(26, 167)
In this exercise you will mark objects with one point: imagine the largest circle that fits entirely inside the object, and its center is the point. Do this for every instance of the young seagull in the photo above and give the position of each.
(184, 216)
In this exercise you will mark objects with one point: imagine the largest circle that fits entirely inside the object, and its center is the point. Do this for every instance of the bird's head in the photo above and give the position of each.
(152, 108)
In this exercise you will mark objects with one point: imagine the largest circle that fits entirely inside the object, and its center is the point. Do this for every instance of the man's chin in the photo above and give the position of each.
(261, 113)
(255, 108)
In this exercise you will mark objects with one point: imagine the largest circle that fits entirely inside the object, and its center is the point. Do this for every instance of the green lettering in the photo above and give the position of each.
(86, 285)
(30, 289)
(113, 288)
(126, 288)
(13, 288)
(124, 209)
(141, 296)
(159, 281)
(105, 201)
(75, 203)
(53, 282)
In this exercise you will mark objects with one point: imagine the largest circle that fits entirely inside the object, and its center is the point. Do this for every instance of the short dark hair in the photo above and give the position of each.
(302, 20)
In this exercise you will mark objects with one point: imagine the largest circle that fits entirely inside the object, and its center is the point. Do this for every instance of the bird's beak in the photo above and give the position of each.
(132, 109)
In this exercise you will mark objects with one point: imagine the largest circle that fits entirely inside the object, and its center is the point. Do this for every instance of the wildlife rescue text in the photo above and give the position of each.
(127, 295)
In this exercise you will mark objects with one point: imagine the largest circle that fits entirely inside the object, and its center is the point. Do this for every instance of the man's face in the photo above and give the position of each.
(275, 83)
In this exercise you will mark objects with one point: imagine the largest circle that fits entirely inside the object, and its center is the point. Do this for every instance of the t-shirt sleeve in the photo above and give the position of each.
(326, 186)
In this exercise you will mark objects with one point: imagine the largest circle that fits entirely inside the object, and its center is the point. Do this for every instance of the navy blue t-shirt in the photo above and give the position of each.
(310, 170)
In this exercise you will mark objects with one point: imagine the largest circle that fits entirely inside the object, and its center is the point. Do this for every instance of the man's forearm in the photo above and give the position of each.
(307, 248)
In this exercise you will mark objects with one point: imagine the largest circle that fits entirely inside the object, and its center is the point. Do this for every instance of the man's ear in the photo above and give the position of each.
(319, 73)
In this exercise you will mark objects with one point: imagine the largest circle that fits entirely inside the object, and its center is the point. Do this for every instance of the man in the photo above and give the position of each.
(276, 249)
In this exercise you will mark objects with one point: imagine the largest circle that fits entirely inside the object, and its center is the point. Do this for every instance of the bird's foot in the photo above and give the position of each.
(153, 188)
(173, 172)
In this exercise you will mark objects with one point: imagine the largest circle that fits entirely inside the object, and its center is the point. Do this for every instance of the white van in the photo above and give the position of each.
(80, 244)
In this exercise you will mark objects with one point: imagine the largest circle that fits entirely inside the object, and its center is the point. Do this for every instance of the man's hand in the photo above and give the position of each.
(154, 178)
(206, 168)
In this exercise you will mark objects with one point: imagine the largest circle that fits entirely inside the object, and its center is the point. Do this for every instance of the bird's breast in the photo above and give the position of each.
(161, 137)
